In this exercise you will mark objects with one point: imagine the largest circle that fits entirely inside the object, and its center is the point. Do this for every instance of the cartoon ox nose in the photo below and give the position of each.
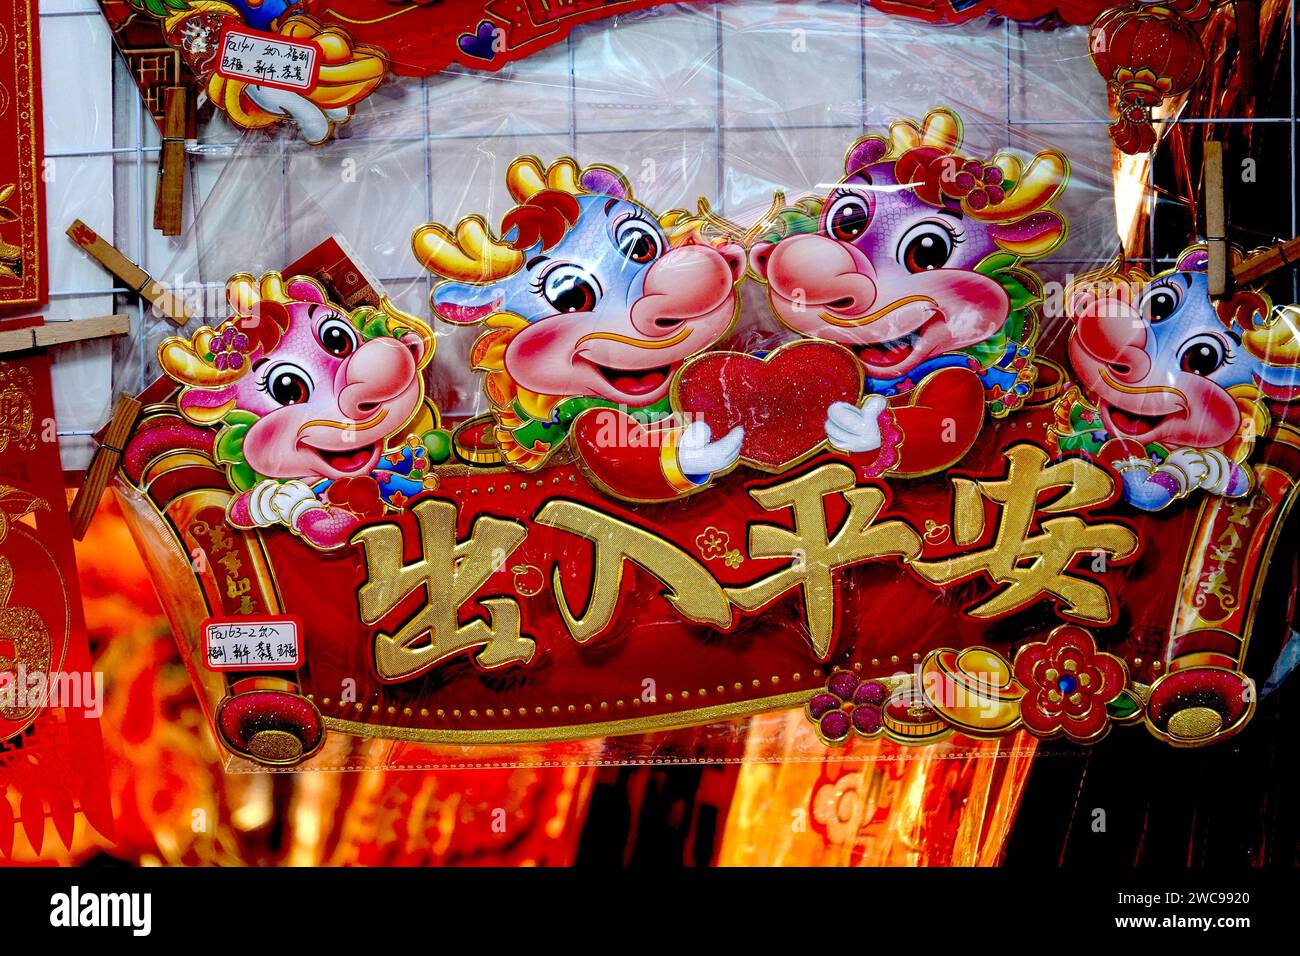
(821, 273)
(1113, 333)
(689, 283)
(376, 373)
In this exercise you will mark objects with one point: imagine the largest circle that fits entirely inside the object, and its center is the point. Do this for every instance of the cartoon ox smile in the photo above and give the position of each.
(1175, 381)
(306, 397)
(590, 303)
(913, 262)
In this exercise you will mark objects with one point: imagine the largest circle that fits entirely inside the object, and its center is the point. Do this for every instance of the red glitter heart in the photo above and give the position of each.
(780, 399)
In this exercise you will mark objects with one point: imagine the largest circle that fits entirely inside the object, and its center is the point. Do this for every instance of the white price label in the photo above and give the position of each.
(268, 59)
(251, 644)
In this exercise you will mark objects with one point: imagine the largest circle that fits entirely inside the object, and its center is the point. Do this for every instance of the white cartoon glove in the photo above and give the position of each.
(851, 428)
(292, 500)
(1187, 466)
(697, 455)
(280, 502)
(313, 123)
(1194, 468)
(260, 509)
(1151, 486)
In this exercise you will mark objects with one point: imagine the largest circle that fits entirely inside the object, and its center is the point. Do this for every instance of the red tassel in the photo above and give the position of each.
(1133, 136)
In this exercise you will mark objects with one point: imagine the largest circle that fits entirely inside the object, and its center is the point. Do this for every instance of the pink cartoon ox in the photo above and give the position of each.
(1174, 382)
(307, 399)
(590, 304)
(914, 262)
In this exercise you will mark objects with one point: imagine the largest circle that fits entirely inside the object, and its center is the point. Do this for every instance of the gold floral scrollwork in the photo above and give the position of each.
(20, 627)
(11, 256)
(17, 414)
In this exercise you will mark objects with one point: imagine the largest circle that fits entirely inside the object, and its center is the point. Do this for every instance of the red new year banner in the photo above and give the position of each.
(504, 609)
(51, 762)
(962, 575)
(23, 280)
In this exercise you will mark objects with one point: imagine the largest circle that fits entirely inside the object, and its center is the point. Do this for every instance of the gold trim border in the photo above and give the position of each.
(570, 732)
(28, 291)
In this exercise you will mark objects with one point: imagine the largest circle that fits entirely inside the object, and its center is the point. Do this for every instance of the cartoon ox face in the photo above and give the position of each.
(587, 297)
(301, 388)
(900, 262)
(1169, 366)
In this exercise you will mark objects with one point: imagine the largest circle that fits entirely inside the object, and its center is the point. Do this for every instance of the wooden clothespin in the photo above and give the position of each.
(111, 258)
(1267, 261)
(1216, 238)
(107, 457)
(169, 198)
(60, 333)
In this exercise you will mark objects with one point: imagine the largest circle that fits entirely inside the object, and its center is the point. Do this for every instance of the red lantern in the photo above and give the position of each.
(1145, 54)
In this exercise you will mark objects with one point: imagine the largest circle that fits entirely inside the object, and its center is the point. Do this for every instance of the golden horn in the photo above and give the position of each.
(1278, 343)
(1040, 183)
(470, 255)
(564, 176)
(525, 178)
(941, 128)
(903, 135)
(273, 288)
(243, 292)
(184, 361)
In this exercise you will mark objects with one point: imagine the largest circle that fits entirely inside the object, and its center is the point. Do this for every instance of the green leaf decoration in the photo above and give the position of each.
(996, 262)
(229, 449)
(798, 219)
(1124, 707)
(1020, 297)
(988, 351)
(159, 8)
(242, 476)
(230, 444)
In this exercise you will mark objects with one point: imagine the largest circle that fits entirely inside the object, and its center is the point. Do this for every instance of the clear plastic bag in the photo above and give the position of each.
(753, 107)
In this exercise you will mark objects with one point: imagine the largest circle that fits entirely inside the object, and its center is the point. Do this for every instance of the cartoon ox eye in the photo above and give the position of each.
(1203, 355)
(1160, 302)
(337, 336)
(637, 241)
(568, 288)
(848, 216)
(927, 245)
(287, 384)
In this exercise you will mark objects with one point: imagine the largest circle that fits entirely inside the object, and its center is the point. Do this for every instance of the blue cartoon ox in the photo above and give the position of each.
(589, 301)
(1174, 383)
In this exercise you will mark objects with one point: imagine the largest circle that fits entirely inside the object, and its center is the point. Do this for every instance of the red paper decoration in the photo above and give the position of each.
(1145, 53)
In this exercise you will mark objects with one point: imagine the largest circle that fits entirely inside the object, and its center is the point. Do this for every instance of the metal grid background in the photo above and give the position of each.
(103, 152)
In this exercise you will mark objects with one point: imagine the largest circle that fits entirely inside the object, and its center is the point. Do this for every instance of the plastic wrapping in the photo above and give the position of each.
(986, 140)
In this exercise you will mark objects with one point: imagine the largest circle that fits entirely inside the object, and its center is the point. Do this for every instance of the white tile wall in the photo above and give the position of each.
(729, 101)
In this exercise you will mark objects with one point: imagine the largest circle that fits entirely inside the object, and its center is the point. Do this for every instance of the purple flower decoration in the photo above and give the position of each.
(848, 705)
(229, 349)
(979, 184)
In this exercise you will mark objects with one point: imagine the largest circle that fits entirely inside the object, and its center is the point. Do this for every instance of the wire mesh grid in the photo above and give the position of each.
(133, 151)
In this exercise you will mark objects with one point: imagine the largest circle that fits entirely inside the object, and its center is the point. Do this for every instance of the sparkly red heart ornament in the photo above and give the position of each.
(780, 399)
